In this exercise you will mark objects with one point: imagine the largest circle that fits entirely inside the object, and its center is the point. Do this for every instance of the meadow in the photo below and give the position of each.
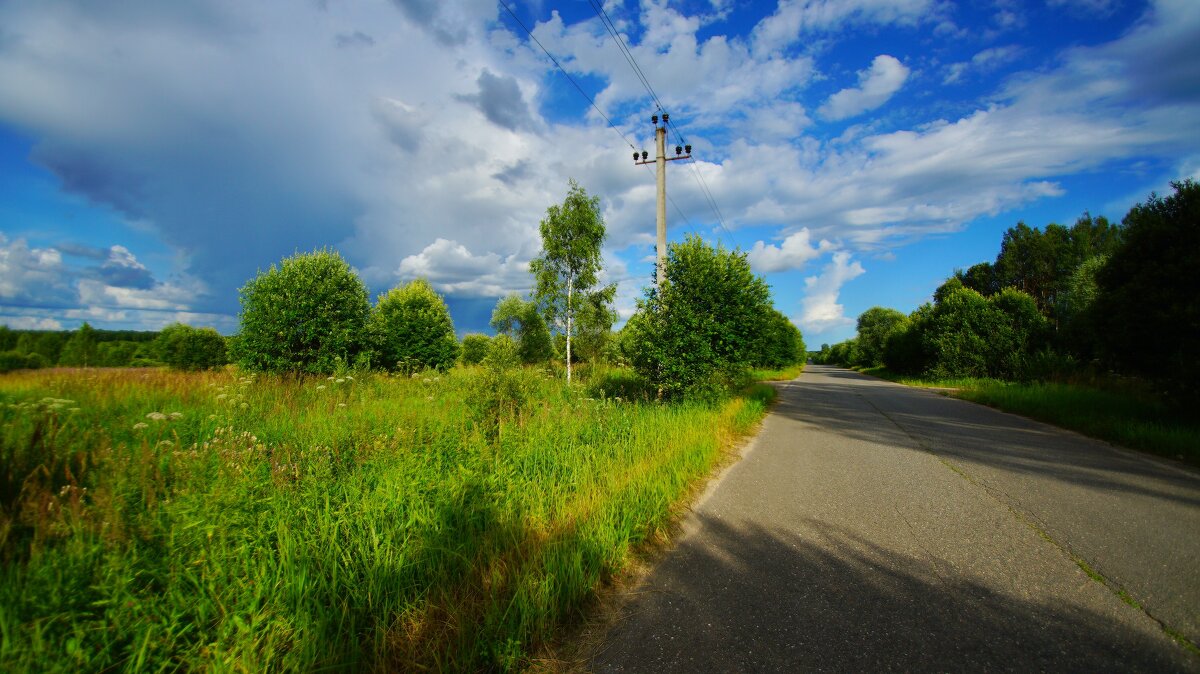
(154, 520)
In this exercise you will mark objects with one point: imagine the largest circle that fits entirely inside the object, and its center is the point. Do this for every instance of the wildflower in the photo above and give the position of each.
(329, 379)
(429, 398)
(425, 380)
(175, 416)
(349, 377)
(244, 405)
(156, 416)
(222, 396)
(321, 387)
(341, 404)
(140, 425)
(340, 381)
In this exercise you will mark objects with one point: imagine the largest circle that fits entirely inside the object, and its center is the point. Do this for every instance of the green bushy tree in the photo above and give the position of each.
(781, 343)
(411, 329)
(186, 348)
(309, 314)
(696, 334)
(522, 323)
(80, 349)
(874, 326)
(474, 348)
(1147, 305)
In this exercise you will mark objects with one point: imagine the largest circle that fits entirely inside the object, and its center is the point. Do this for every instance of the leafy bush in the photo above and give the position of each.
(411, 329)
(15, 360)
(474, 348)
(781, 344)
(874, 327)
(521, 321)
(307, 315)
(696, 334)
(186, 348)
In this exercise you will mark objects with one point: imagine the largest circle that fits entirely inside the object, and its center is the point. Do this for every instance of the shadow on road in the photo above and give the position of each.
(752, 599)
(877, 411)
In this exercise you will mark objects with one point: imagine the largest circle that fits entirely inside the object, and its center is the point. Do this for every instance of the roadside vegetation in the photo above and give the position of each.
(1092, 327)
(360, 489)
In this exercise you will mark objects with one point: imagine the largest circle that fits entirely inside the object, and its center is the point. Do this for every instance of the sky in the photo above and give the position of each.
(155, 156)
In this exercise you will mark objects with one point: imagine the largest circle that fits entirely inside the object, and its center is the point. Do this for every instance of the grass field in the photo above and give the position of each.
(1125, 416)
(154, 520)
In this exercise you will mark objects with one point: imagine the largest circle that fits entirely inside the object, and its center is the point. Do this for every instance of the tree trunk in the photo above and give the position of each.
(570, 289)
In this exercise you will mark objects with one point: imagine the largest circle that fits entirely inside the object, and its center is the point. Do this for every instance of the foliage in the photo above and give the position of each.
(308, 315)
(186, 348)
(593, 324)
(1147, 305)
(780, 344)
(696, 334)
(521, 321)
(15, 360)
(874, 326)
(80, 349)
(474, 348)
(209, 521)
(572, 235)
(411, 329)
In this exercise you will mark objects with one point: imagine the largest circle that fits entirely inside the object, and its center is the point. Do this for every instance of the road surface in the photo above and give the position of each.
(871, 526)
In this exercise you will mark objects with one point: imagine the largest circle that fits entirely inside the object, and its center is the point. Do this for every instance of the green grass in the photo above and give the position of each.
(1123, 415)
(153, 520)
(784, 374)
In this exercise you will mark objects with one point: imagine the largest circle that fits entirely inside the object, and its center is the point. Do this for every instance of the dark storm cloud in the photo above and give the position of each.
(92, 175)
(500, 100)
(426, 14)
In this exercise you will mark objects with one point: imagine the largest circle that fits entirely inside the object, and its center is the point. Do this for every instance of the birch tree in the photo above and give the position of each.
(570, 261)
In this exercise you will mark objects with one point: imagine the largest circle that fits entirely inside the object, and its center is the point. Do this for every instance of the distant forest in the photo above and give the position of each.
(86, 346)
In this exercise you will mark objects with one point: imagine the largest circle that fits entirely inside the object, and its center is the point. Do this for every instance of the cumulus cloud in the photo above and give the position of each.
(876, 85)
(795, 252)
(820, 311)
(451, 268)
(500, 100)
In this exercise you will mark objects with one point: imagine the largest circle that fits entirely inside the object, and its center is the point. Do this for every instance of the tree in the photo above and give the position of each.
(1147, 305)
(594, 321)
(474, 348)
(522, 323)
(186, 348)
(696, 334)
(874, 326)
(80, 349)
(570, 261)
(411, 329)
(309, 314)
(781, 344)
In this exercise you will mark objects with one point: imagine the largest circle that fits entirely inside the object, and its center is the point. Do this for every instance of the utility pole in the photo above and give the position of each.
(660, 163)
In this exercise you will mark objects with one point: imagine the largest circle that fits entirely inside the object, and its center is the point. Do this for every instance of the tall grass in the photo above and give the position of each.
(153, 520)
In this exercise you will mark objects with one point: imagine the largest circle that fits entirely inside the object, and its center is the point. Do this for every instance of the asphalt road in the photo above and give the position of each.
(872, 526)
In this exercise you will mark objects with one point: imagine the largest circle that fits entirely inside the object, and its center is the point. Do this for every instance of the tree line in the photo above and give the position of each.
(699, 334)
(1095, 297)
(176, 345)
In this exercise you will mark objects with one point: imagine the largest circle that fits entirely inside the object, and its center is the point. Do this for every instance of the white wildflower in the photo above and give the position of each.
(156, 416)
(341, 404)
(175, 416)
(321, 387)
(339, 380)
(140, 425)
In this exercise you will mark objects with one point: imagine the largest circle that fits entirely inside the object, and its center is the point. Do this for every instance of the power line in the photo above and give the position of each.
(567, 74)
(611, 27)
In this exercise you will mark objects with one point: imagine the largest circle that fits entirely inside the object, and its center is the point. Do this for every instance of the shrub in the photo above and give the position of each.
(411, 329)
(780, 345)
(186, 348)
(697, 333)
(307, 315)
(474, 348)
(521, 321)
(15, 360)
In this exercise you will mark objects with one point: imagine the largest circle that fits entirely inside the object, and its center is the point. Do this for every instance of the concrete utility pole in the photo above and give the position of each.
(660, 162)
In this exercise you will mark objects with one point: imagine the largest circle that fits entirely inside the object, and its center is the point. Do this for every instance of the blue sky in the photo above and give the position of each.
(154, 156)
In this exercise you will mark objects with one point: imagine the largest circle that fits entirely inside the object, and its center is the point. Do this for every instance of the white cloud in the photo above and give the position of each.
(30, 322)
(876, 85)
(793, 19)
(796, 251)
(985, 61)
(820, 309)
(453, 269)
